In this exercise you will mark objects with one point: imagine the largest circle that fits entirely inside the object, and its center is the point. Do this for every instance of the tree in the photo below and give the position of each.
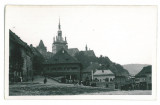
(105, 62)
(85, 60)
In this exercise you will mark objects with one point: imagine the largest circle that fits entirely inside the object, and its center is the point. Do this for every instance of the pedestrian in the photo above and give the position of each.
(45, 80)
(20, 79)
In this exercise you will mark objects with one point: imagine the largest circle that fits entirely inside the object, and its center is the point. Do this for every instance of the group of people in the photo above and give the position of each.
(20, 79)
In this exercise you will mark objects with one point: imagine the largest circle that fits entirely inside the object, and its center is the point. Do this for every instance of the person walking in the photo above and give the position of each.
(45, 80)
(20, 79)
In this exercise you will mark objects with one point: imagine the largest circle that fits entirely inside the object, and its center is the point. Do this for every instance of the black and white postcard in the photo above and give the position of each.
(80, 52)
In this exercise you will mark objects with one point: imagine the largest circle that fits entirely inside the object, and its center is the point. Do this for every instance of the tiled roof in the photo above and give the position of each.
(144, 71)
(62, 56)
(14, 38)
(73, 51)
(103, 72)
(89, 53)
(41, 45)
(35, 51)
(48, 55)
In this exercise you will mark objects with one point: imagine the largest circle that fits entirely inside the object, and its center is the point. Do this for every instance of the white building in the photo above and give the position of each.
(104, 75)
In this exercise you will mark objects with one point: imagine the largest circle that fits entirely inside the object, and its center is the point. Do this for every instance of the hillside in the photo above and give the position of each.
(105, 62)
(133, 69)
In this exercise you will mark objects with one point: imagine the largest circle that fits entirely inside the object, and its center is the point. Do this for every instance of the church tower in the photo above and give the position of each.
(59, 42)
(41, 47)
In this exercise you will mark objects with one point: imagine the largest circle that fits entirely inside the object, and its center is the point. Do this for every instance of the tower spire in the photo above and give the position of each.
(59, 30)
(59, 26)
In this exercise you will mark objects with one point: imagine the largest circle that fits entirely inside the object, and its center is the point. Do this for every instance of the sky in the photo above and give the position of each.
(126, 34)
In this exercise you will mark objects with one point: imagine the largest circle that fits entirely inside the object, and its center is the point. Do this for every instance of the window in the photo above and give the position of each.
(106, 85)
(96, 80)
(107, 79)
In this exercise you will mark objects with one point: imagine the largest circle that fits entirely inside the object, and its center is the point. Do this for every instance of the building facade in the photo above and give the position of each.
(63, 67)
(143, 80)
(120, 81)
(103, 76)
(20, 59)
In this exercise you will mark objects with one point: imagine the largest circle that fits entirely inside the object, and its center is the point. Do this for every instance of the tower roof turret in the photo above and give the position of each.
(59, 26)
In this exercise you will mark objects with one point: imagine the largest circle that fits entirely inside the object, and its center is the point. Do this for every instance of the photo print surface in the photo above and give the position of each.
(80, 50)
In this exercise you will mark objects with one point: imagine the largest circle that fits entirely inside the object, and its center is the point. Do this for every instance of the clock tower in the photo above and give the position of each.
(59, 42)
